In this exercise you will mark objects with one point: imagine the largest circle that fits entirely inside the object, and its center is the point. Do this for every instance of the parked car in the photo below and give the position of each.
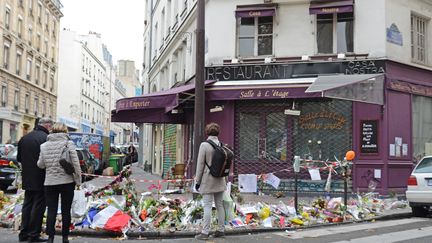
(419, 192)
(87, 162)
(8, 172)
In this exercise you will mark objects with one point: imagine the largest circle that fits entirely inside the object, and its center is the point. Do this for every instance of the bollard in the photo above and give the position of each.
(296, 166)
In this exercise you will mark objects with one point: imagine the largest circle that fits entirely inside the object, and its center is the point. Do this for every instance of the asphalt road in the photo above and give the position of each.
(416, 230)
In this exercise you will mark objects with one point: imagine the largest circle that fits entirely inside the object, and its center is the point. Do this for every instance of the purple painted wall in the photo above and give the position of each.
(398, 71)
(365, 164)
(394, 121)
(399, 114)
(224, 118)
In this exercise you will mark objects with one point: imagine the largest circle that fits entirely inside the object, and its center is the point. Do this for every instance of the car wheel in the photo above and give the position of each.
(419, 211)
(4, 187)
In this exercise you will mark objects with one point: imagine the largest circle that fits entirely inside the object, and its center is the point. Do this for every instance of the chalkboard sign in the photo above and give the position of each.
(369, 136)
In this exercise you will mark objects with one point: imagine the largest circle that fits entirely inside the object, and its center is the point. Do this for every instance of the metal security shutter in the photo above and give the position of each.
(266, 140)
(169, 149)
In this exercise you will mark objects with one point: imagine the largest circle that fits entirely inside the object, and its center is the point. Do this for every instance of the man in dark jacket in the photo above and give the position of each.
(33, 182)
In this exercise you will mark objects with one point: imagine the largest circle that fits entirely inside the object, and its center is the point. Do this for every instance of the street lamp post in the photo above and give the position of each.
(199, 117)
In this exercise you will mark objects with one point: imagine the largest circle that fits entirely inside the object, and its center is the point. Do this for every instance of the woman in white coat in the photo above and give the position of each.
(57, 181)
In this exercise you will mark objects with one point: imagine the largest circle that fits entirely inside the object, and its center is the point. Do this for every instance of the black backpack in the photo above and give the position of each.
(221, 160)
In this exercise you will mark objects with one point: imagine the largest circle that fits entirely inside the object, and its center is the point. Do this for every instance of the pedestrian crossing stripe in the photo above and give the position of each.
(394, 236)
(315, 233)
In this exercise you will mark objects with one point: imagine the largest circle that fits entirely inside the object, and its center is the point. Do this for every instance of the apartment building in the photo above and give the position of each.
(29, 64)
(84, 83)
(292, 78)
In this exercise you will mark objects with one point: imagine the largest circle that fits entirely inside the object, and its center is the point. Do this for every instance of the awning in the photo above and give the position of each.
(368, 88)
(331, 6)
(158, 116)
(255, 12)
(167, 99)
(260, 89)
(155, 107)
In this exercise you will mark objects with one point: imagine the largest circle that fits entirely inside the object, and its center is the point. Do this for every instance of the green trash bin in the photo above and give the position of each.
(115, 162)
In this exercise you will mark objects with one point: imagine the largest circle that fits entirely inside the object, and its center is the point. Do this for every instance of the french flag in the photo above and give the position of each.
(111, 219)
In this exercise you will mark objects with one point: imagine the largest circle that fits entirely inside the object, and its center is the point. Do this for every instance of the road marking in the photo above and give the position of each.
(394, 236)
(314, 233)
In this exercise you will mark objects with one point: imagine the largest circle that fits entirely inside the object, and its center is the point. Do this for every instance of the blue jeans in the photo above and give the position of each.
(208, 204)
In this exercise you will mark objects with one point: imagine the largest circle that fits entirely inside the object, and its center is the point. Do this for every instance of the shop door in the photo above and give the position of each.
(262, 139)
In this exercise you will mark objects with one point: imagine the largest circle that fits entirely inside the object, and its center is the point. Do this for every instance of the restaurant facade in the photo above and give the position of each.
(318, 110)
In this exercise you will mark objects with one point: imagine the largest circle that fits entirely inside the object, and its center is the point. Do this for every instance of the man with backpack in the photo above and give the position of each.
(213, 164)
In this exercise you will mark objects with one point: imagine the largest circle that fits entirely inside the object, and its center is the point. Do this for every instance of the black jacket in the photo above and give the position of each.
(28, 154)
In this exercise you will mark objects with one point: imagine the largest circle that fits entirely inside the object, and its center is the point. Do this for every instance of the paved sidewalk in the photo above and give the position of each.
(139, 174)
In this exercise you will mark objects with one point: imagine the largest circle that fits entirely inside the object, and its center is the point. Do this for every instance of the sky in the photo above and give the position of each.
(120, 23)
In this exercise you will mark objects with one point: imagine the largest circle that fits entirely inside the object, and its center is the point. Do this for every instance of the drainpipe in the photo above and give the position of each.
(150, 134)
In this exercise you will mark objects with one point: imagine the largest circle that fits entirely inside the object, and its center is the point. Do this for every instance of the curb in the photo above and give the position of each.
(239, 231)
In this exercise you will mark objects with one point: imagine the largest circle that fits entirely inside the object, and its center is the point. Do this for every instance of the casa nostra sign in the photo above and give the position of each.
(295, 70)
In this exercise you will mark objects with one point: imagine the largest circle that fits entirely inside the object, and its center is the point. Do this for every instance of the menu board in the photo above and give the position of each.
(369, 136)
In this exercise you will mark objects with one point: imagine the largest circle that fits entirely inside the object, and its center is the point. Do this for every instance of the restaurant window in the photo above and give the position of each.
(422, 126)
(335, 33)
(16, 100)
(4, 96)
(255, 36)
(419, 27)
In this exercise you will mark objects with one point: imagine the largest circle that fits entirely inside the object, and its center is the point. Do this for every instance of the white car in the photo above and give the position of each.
(419, 192)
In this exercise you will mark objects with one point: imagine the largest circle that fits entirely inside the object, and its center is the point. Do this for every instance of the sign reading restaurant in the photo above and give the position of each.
(295, 70)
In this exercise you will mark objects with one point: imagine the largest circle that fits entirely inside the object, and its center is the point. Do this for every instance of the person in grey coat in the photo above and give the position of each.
(57, 181)
(211, 188)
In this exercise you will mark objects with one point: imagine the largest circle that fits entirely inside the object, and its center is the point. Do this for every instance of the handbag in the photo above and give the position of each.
(65, 161)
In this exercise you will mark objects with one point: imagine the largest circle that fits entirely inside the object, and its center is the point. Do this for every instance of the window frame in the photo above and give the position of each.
(18, 62)
(6, 54)
(20, 26)
(415, 47)
(36, 105)
(27, 102)
(17, 99)
(7, 17)
(334, 35)
(256, 37)
(29, 65)
(4, 95)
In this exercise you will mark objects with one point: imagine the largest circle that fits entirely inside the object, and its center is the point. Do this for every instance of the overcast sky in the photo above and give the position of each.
(120, 22)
